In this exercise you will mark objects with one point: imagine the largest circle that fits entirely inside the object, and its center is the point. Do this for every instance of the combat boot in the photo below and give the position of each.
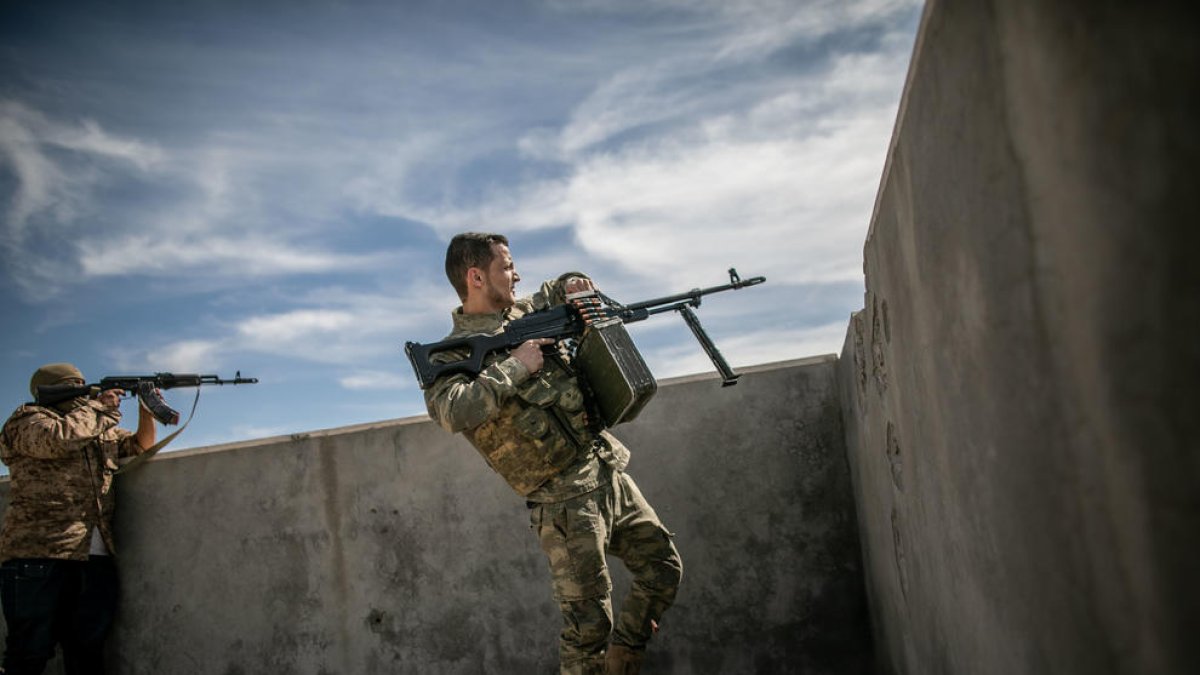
(622, 660)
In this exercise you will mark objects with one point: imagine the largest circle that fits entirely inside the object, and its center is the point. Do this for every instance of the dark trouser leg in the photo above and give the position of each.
(572, 535)
(586, 627)
(34, 593)
(83, 638)
(641, 541)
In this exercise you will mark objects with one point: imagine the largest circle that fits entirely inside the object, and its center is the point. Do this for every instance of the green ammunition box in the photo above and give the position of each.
(615, 372)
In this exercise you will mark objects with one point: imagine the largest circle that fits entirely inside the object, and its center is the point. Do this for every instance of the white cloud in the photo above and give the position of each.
(628, 100)
(775, 174)
(213, 211)
(332, 327)
(709, 153)
(287, 326)
(335, 336)
(89, 138)
(335, 328)
(701, 134)
(182, 356)
(765, 25)
(384, 168)
(38, 179)
(686, 357)
(369, 381)
(795, 205)
(248, 255)
(55, 186)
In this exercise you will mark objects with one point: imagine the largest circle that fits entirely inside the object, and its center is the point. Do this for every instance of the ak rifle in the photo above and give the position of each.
(145, 387)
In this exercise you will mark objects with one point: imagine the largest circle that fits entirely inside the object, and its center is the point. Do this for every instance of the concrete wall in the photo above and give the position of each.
(392, 548)
(1019, 389)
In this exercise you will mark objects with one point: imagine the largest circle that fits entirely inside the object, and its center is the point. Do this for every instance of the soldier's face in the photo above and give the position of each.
(500, 278)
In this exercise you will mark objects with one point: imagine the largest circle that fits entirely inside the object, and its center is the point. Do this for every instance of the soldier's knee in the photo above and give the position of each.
(676, 562)
(595, 632)
(668, 571)
(589, 622)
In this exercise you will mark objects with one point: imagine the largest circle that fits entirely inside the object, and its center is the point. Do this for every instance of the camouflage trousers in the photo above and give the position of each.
(575, 535)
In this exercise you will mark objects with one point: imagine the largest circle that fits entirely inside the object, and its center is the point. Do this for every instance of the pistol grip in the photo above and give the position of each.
(149, 397)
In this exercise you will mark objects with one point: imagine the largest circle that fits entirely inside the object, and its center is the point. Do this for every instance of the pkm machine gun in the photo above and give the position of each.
(594, 323)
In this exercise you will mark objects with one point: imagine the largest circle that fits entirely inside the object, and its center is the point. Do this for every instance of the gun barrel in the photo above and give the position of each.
(213, 379)
(170, 380)
(693, 296)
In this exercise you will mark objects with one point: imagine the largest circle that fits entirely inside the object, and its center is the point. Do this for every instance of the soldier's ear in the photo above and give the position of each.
(474, 277)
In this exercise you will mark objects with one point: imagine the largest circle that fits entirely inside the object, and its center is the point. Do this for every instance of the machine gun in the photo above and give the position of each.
(683, 303)
(145, 387)
(585, 313)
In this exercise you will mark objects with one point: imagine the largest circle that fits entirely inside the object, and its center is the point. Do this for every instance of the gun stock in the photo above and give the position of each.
(558, 322)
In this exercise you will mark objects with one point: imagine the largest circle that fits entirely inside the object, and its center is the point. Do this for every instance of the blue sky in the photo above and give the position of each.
(269, 187)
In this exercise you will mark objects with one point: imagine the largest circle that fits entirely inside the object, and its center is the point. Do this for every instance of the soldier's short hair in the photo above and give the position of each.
(467, 250)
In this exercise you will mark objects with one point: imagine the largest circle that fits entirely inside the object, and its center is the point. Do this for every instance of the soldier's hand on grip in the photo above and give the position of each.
(529, 353)
(110, 398)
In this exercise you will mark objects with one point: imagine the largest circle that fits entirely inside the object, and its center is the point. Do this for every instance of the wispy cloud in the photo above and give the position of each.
(763, 26)
(371, 381)
(205, 213)
(187, 355)
(653, 143)
(57, 187)
(356, 329)
(329, 327)
(248, 256)
(686, 357)
(787, 181)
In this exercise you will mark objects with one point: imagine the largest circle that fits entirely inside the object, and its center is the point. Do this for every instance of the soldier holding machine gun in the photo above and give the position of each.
(505, 381)
(58, 581)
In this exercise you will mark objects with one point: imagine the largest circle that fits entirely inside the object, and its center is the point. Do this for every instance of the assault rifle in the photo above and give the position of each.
(144, 386)
(570, 321)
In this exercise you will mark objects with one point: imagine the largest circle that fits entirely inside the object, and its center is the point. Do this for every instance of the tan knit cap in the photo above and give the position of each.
(52, 373)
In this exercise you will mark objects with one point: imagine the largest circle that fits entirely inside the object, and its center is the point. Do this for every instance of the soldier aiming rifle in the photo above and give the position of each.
(58, 580)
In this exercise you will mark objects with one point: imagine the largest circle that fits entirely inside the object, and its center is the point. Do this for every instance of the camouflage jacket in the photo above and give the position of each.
(532, 429)
(61, 468)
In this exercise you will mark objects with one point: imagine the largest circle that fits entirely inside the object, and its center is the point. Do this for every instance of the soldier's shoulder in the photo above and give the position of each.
(26, 412)
(525, 306)
(21, 418)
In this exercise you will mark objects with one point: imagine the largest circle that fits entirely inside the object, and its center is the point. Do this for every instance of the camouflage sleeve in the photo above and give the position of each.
(44, 435)
(551, 293)
(459, 402)
(128, 446)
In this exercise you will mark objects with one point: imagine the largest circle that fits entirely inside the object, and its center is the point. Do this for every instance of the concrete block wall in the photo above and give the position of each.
(392, 548)
(1019, 388)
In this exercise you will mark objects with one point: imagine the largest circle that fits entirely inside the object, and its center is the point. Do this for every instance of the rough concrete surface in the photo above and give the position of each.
(1018, 389)
(392, 548)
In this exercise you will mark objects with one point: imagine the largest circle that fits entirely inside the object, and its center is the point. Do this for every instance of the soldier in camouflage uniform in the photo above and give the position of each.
(526, 414)
(58, 582)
